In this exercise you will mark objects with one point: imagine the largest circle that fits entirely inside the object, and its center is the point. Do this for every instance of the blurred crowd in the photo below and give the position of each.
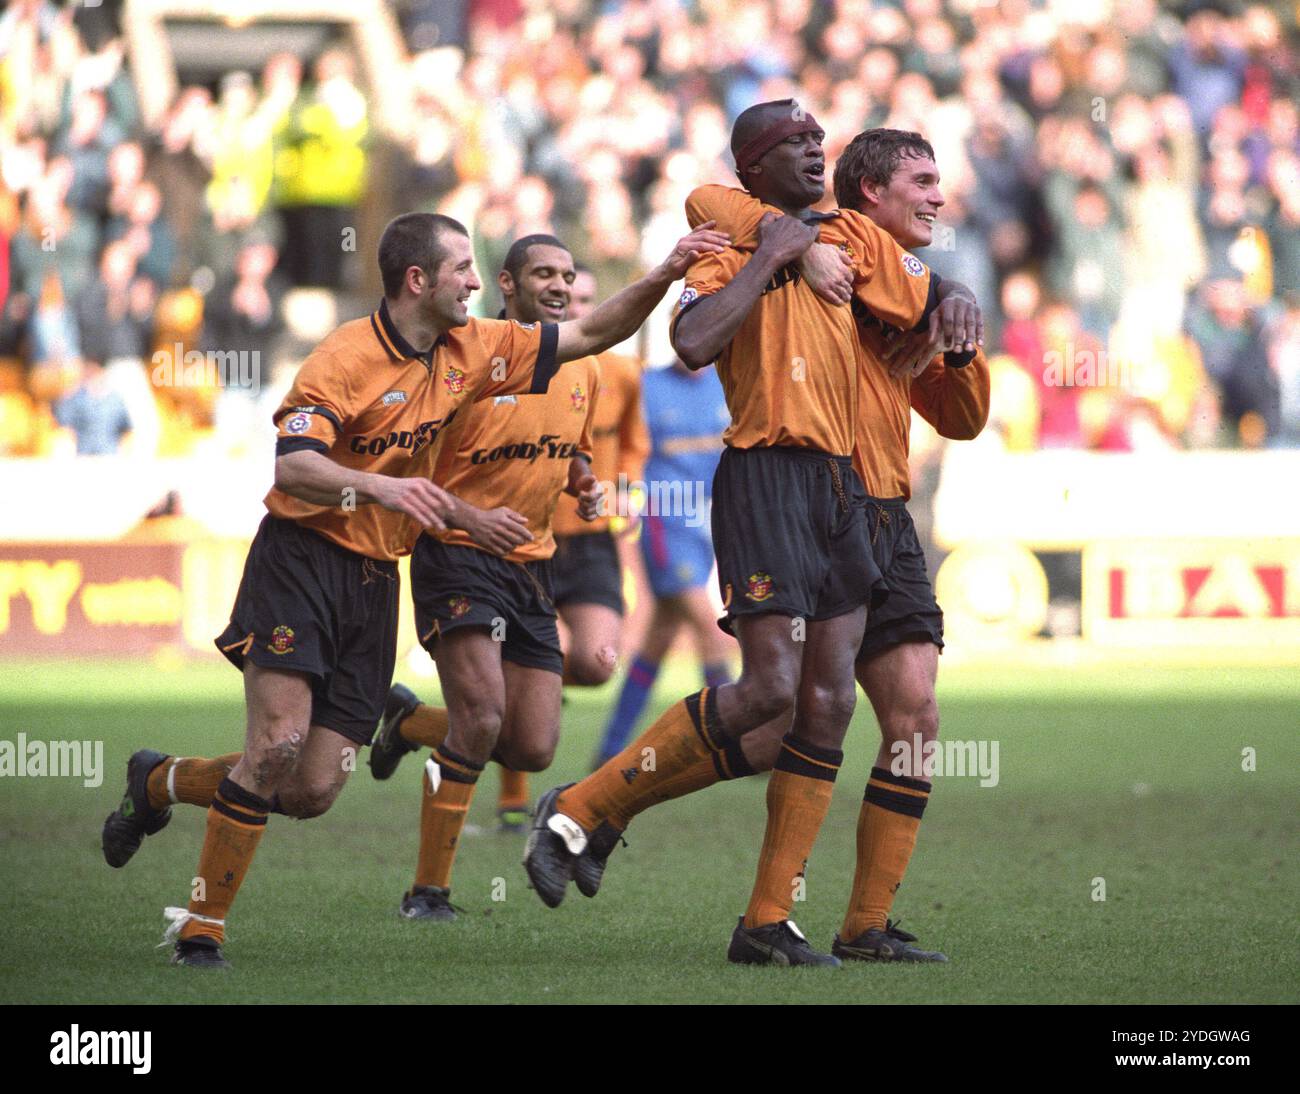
(1122, 183)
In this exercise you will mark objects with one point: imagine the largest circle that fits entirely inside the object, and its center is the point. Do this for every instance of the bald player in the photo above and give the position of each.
(314, 625)
(789, 527)
(890, 176)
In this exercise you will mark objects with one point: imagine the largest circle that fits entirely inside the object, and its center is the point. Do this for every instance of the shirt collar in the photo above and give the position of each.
(397, 347)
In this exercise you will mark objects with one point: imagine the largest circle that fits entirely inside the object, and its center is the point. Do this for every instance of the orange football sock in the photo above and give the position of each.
(730, 763)
(887, 828)
(686, 734)
(798, 795)
(442, 816)
(236, 821)
(189, 779)
(512, 797)
(425, 725)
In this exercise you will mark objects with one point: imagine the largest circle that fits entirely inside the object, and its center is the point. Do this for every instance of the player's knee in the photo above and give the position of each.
(829, 706)
(309, 801)
(528, 757)
(766, 696)
(590, 669)
(476, 727)
(482, 721)
(910, 718)
(272, 754)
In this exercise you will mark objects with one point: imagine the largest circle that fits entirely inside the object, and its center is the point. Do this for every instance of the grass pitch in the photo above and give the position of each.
(1131, 776)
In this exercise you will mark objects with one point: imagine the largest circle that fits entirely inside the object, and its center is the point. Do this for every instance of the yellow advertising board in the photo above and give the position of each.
(1192, 592)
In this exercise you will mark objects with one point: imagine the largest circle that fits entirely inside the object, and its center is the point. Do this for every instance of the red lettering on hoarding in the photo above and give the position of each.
(1117, 593)
(1273, 579)
(1232, 588)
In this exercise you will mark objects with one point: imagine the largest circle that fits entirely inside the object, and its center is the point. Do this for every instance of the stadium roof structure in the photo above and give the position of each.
(213, 37)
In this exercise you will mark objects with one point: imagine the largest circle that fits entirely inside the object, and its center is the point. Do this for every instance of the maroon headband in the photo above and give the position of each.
(755, 149)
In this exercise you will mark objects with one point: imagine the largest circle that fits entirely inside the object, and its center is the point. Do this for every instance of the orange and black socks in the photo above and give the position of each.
(236, 821)
(189, 779)
(730, 763)
(425, 726)
(512, 796)
(887, 827)
(684, 737)
(442, 816)
(798, 795)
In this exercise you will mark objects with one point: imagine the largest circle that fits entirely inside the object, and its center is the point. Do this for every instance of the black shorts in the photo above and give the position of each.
(911, 614)
(790, 534)
(457, 586)
(587, 570)
(306, 604)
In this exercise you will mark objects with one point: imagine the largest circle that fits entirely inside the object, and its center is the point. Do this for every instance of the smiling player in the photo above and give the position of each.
(891, 177)
(789, 529)
(488, 617)
(313, 628)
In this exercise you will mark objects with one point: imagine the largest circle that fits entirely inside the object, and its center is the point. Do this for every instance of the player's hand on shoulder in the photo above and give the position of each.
(694, 245)
(829, 272)
(499, 530)
(784, 238)
(418, 498)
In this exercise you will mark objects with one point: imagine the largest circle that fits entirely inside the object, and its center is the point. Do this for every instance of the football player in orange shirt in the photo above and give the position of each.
(313, 628)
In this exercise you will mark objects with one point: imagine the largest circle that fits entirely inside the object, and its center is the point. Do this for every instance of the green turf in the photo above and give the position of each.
(1131, 776)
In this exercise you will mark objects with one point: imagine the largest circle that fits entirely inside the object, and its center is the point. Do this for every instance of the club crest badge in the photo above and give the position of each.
(459, 605)
(758, 587)
(578, 397)
(281, 640)
(455, 380)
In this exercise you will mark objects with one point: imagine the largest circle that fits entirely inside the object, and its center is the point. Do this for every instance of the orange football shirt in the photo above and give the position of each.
(514, 450)
(792, 371)
(370, 402)
(954, 400)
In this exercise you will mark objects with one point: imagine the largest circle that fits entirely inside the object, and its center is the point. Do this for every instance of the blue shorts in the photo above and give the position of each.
(677, 556)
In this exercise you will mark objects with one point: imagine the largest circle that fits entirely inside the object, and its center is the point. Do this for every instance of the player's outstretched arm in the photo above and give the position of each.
(313, 477)
(701, 334)
(621, 315)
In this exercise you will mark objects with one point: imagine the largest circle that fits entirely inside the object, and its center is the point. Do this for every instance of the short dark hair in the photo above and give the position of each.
(518, 253)
(874, 156)
(413, 239)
